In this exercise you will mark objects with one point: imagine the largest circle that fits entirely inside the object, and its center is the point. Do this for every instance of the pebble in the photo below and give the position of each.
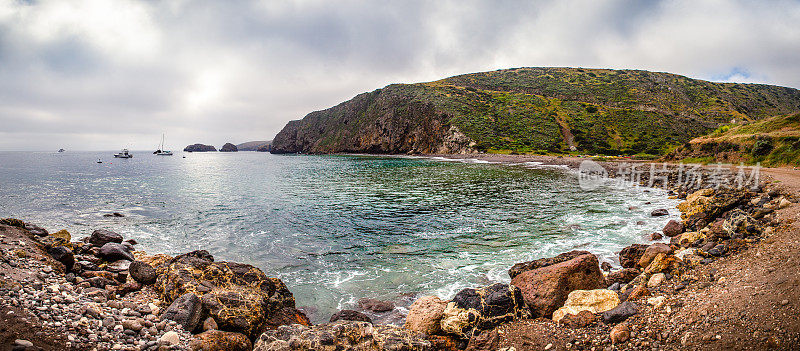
(170, 337)
(23, 343)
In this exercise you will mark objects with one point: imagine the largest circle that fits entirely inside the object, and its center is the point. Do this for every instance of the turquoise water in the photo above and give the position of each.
(334, 228)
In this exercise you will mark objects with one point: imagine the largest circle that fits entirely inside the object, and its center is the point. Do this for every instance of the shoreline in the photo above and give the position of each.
(513, 331)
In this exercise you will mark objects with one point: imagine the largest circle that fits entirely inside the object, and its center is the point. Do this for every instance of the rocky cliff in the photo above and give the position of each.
(534, 110)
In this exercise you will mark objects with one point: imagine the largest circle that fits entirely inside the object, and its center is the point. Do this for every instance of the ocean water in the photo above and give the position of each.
(334, 228)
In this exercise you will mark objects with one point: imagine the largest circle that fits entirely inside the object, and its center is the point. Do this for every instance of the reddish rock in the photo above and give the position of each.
(652, 251)
(581, 320)
(655, 236)
(629, 256)
(638, 293)
(544, 262)
(620, 334)
(673, 228)
(545, 289)
(622, 276)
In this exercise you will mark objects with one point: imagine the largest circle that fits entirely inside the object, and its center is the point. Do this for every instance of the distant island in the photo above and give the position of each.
(228, 147)
(199, 148)
(537, 111)
(258, 145)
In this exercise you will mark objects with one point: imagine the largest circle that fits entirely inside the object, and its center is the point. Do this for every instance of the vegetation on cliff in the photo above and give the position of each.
(773, 141)
(535, 110)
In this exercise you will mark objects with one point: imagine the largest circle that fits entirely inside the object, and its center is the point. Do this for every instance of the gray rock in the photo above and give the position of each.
(620, 313)
(114, 252)
(101, 237)
(142, 272)
(185, 310)
(660, 212)
(350, 315)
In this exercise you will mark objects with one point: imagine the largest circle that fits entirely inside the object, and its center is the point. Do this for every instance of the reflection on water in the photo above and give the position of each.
(334, 228)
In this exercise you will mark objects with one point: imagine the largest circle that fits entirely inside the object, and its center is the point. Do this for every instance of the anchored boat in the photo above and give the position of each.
(161, 151)
(123, 154)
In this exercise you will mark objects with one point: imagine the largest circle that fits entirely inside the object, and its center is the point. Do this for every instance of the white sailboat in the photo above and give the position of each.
(161, 151)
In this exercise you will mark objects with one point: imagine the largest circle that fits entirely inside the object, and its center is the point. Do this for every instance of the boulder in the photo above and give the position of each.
(659, 212)
(187, 310)
(689, 256)
(638, 292)
(62, 234)
(595, 301)
(544, 262)
(673, 228)
(620, 334)
(118, 266)
(664, 263)
(706, 204)
(142, 272)
(210, 324)
(620, 313)
(127, 288)
(101, 237)
(545, 289)
(341, 335)
(425, 314)
(656, 280)
(63, 255)
(687, 239)
(114, 251)
(622, 276)
(228, 147)
(629, 256)
(13, 222)
(375, 305)
(482, 309)
(36, 230)
(651, 252)
(217, 340)
(199, 148)
(582, 319)
(485, 341)
(240, 297)
(350, 315)
(655, 236)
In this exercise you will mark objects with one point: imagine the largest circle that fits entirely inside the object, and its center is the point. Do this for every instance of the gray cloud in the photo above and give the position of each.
(111, 74)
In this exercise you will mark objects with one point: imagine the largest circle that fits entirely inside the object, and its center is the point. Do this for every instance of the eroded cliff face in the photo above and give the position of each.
(392, 120)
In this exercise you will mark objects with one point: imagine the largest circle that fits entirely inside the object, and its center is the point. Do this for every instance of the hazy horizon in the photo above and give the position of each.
(103, 75)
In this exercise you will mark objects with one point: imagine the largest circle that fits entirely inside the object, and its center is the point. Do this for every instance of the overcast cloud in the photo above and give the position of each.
(107, 74)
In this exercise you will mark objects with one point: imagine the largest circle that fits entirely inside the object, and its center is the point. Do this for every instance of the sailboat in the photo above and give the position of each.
(161, 151)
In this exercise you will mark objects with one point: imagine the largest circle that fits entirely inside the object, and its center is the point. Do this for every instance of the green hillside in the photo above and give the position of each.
(774, 141)
(535, 110)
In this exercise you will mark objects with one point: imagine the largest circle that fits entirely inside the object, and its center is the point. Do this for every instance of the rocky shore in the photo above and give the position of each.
(733, 246)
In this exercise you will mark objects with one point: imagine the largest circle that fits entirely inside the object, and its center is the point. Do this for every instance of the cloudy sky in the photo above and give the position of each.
(106, 74)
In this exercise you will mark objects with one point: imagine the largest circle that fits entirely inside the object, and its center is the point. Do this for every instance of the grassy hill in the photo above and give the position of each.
(774, 141)
(535, 110)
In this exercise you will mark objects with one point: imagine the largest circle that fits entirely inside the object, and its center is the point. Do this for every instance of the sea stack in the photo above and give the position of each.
(228, 147)
(199, 148)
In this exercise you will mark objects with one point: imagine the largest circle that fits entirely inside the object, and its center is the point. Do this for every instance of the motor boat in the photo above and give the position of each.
(123, 154)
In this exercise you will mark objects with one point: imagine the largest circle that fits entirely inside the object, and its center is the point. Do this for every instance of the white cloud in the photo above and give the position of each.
(72, 72)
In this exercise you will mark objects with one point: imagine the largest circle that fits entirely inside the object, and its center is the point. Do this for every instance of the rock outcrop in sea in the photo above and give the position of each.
(199, 148)
(228, 147)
